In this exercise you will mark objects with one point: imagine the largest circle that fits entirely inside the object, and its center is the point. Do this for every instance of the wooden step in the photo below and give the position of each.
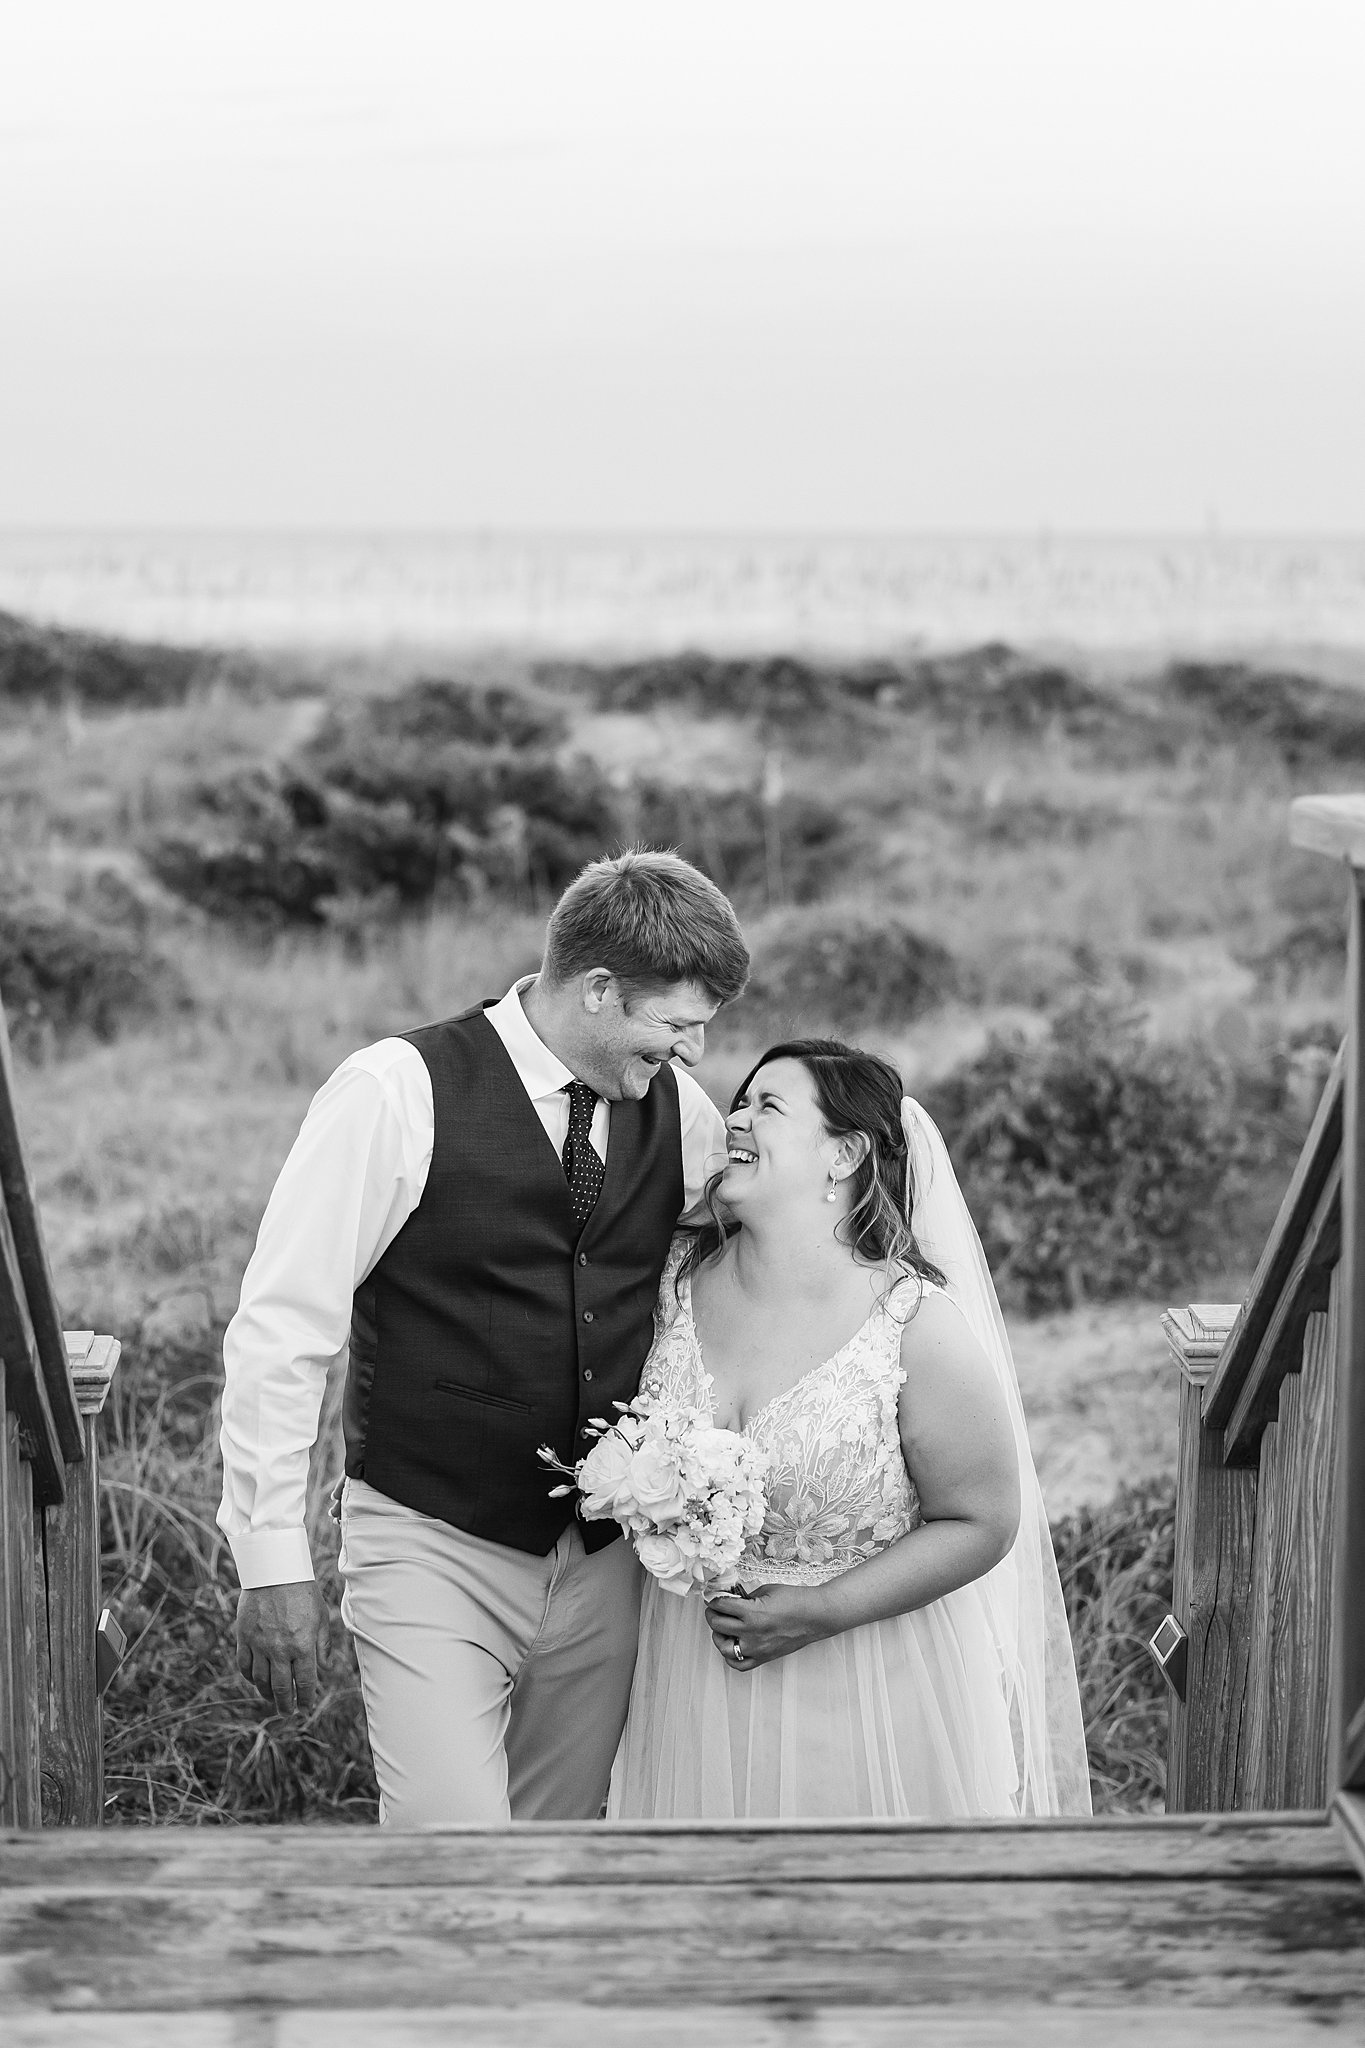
(1211, 1930)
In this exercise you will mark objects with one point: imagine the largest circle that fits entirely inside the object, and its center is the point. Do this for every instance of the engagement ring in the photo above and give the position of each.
(739, 1654)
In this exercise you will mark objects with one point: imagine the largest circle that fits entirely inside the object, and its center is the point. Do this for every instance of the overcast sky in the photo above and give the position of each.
(980, 264)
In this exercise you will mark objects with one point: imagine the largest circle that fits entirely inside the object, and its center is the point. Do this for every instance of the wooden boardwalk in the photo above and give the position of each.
(1214, 1930)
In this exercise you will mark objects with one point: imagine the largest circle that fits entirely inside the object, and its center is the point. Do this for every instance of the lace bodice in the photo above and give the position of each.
(838, 1490)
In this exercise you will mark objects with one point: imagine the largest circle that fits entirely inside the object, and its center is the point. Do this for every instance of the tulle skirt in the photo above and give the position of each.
(903, 1719)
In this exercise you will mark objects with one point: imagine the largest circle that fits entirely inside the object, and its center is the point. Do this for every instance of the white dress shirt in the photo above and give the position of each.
(352, 1179)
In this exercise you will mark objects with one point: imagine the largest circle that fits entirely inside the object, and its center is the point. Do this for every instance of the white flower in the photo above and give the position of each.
(604, 1477)
(661, 1556)
(656, 1482)
(689, 1494)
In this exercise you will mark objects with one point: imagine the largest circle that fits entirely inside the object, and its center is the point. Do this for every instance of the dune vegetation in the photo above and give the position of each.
(1059, 894)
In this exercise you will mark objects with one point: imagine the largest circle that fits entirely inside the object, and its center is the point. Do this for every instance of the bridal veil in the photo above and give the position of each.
(1022, 1595)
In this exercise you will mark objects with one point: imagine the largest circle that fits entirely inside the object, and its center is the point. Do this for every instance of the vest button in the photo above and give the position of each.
(587, 1372)
(582, 1258)
(587, 1315)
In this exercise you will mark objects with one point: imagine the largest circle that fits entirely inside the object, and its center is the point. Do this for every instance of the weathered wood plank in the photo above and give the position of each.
(71, 1715)
(1300, 1649)
(1215, 1521)
(1253, 1753)
(1033, 2026)
(1189, 1428)
(1321, 1151)
(1348, 1633)
(1283, 1760)
(1231, 1846)
(165, 2030)
(19, 1796)
(1203, 1942)
(18, 1199)
(12, 1677)
(787, 2025)
(26, 1387)
(70, 1721)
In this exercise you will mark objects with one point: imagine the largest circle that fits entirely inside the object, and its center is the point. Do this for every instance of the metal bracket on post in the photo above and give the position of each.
(110, 1645)
(1170, 1652)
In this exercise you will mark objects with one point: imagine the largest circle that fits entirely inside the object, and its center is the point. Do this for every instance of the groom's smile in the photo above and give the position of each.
(635, 1036)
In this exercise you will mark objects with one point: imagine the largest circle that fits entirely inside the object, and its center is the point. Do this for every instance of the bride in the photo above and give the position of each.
(897, 1643)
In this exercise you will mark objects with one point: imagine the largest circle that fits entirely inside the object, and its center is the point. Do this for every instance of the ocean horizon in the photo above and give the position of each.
(620, 594)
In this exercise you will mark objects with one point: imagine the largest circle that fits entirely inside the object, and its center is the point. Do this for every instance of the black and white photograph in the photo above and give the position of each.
(682, 1023)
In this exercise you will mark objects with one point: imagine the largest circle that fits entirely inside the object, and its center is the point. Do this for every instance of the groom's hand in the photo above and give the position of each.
(770, 1622)
(281, 1640)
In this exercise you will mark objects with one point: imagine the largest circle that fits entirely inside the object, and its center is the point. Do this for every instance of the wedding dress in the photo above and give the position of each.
(965, 1708)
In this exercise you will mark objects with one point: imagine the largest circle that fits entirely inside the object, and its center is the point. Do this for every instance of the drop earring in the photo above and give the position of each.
(833, 1194)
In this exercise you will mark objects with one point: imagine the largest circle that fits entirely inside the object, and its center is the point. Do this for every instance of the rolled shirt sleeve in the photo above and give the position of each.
(354, 1175)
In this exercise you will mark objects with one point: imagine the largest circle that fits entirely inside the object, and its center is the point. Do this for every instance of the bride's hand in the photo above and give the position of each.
(772, 1621)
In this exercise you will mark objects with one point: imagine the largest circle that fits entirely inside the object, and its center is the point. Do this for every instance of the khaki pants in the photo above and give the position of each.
(495, 1683)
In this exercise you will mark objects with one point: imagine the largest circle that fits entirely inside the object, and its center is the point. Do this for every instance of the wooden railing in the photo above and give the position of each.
(1265, 1648)
(52, 1386)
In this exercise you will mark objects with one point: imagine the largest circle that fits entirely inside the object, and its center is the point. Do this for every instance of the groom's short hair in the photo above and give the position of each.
(653, 920)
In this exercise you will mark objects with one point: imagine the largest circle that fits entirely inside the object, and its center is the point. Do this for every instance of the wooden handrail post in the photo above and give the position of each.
(1215, 1521)
(19, 1793)
(70, 1734)
(1335, 825)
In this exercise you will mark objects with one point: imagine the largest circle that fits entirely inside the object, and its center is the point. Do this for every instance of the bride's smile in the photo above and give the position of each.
(777, 1145)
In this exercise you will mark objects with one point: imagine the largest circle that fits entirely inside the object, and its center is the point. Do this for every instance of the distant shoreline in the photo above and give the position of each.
(1107, 601)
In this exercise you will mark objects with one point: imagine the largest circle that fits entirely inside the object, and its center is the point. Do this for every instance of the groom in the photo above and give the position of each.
(481, 1209)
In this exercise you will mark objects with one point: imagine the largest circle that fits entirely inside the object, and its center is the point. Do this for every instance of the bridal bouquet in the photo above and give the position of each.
(689, 1495)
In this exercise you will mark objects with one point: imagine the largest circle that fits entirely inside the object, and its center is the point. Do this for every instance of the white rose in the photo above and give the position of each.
(655, 1482)
(604, 1478)
(661, 1556)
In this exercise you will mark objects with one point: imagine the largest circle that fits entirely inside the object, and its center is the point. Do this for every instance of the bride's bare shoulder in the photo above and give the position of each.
(936, 1334)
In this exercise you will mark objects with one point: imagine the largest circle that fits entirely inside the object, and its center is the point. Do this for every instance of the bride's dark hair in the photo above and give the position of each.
(857, 1094)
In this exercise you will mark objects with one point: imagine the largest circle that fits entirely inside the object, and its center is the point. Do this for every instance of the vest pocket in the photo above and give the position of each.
(485, 1400)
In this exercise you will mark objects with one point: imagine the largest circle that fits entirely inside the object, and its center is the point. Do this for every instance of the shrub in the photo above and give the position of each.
(747, 848)
(452, 786)
(435, 710)
(61, 972)
(776, 688)
(388, 830)
(993, 687)
(846, 965)
(1302, 718)
(48, 665)
(1097, 1165)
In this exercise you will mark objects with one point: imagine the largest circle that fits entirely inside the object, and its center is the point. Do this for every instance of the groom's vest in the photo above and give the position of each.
(490, 1326)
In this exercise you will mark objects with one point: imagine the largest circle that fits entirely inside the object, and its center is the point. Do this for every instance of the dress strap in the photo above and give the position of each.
(906, 1296)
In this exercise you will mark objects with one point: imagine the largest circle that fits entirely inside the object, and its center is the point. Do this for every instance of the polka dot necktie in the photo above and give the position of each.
(582, 1167)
